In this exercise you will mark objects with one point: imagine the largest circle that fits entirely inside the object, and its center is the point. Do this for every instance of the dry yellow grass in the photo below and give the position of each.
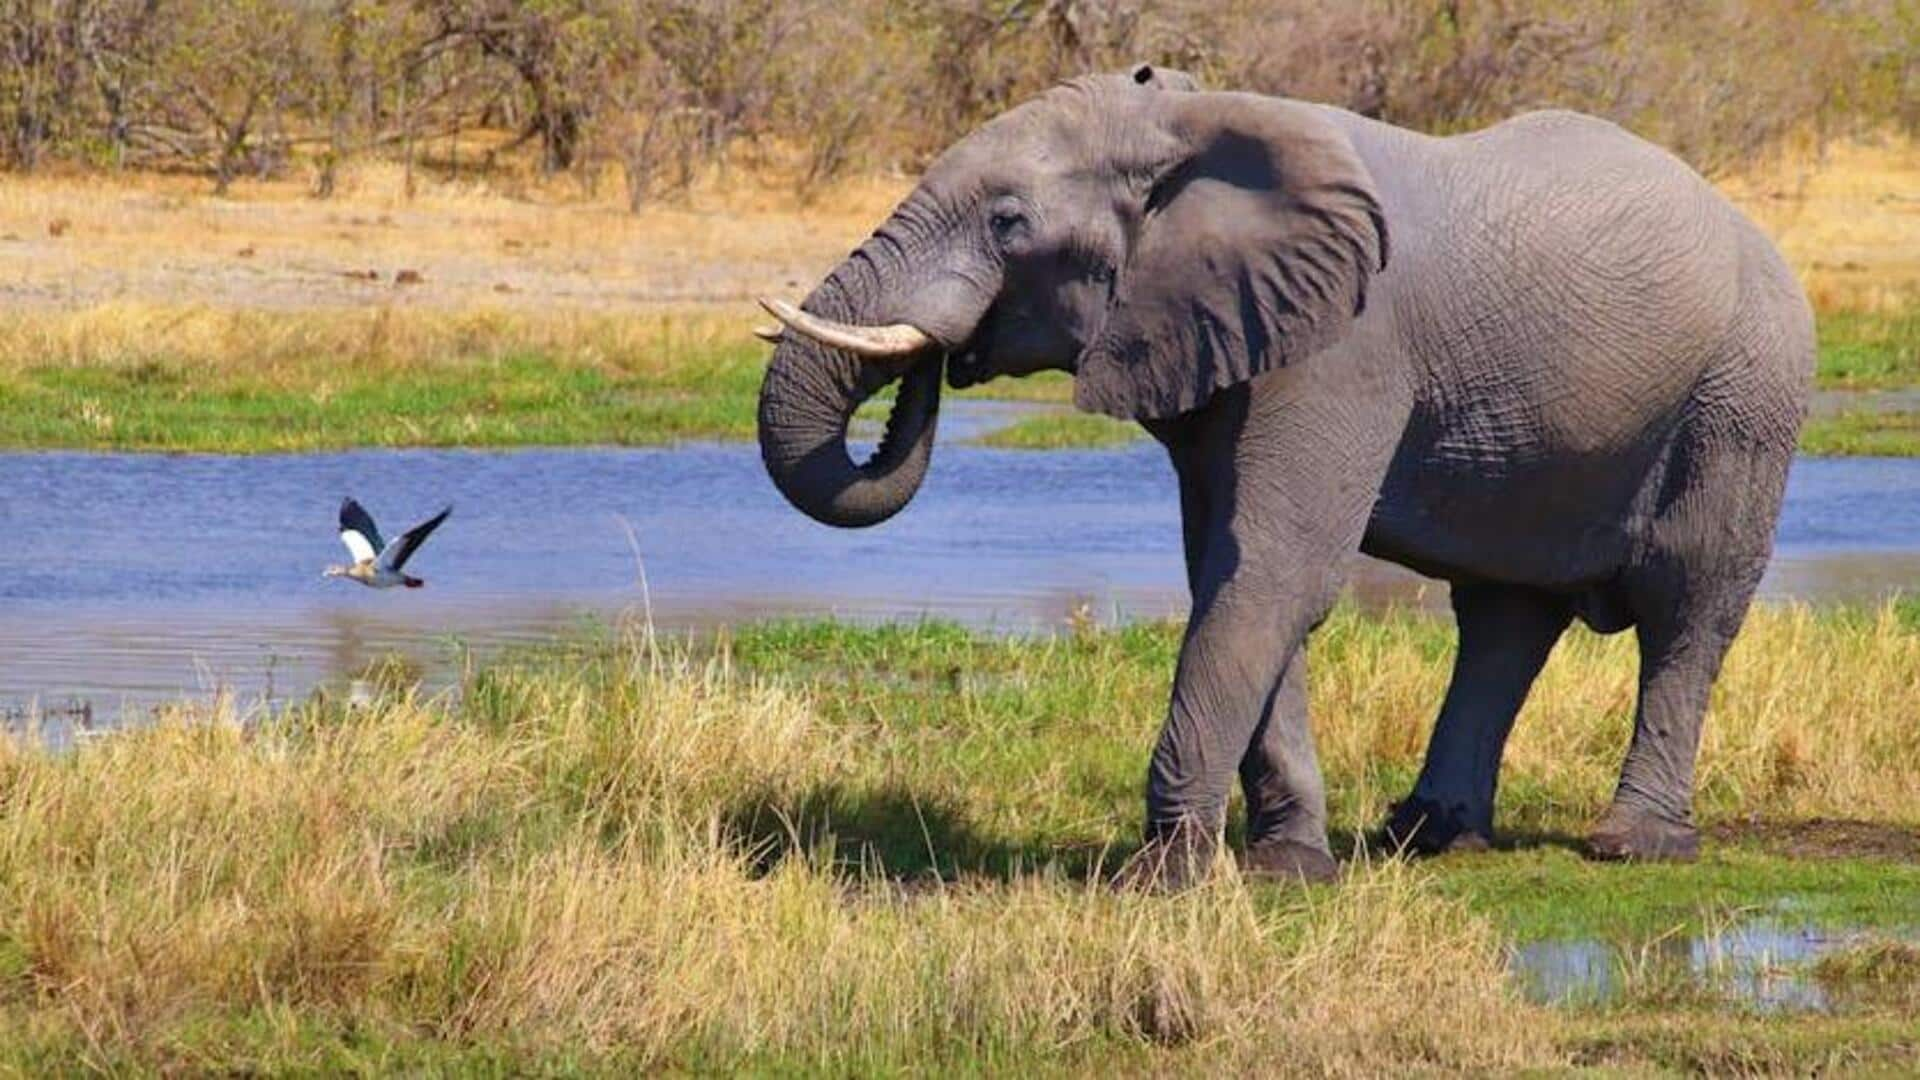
(161, 240)
(141, 307)
(1847, 218)
(256, 295)
(555, 876)
(1811, 717)
(301, 348)
(561, 864)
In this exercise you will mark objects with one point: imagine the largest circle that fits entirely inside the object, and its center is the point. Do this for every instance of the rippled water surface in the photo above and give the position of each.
(132, 578)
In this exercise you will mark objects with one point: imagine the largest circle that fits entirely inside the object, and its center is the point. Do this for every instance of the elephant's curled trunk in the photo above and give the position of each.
(807, 401)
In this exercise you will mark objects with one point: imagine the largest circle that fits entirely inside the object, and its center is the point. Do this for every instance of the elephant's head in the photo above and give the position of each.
(1159, 242)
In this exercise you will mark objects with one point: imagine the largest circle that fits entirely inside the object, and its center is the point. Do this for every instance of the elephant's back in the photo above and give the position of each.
(1572, 226)
(1578, 206)
(1555, 263)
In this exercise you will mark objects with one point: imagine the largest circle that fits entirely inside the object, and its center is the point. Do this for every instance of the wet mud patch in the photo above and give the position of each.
(1822, 838)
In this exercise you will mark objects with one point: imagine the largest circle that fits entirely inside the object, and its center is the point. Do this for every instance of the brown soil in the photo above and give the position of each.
(144, 240)
(1823, 838)
(1850, 226)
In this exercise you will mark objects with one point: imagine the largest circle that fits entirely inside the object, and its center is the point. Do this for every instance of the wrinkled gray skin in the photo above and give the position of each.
(1544, 362)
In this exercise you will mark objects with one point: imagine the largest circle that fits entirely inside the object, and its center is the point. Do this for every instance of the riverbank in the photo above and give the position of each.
(814, 848)
(143, 314)
(205, 379)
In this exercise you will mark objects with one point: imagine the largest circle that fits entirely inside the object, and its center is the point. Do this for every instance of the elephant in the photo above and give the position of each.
(1544, 362)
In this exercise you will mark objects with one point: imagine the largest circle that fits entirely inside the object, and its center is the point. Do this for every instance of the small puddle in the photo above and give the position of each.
(1765, 964)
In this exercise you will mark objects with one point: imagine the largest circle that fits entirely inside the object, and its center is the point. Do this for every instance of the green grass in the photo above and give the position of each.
(1551, 893)
(234, 381)
(245, 382)
(1062, 431)
(1870, 350)
(521, 399)
(812, 847)
(1863, 434)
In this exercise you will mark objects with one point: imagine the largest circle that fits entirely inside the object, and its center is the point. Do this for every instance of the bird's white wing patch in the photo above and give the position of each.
(357, 545)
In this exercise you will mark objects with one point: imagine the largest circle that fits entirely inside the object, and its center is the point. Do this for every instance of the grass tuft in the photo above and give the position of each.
(1062, 431)
(1863, 434)
(1870, 350)
(552, 872)
(814, 847)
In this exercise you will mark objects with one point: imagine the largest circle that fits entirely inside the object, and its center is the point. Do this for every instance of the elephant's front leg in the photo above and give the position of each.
(1289, 477)
(1235, 653)
(1280, 773)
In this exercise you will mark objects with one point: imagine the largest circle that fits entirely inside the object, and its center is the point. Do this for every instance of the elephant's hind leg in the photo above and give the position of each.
(1286, 798)
(1707, 548)
(1681, 648)
(1506, 633)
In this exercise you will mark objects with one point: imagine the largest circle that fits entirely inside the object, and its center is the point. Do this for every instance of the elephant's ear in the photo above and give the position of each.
(1259, 231)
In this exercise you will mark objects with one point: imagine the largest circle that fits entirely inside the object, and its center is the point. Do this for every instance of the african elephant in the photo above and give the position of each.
(1544, 362)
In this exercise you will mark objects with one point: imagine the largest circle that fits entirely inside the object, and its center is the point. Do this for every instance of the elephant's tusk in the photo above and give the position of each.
(770, 334)
(870, 342)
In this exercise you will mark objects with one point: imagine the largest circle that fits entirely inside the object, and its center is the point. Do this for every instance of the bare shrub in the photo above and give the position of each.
(665, 88)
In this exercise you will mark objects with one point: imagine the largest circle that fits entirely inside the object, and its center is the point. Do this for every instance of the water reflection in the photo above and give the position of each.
(1765, 964)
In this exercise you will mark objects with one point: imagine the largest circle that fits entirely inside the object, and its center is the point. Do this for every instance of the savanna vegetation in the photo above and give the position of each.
(818, 848)
(657, 88)
(274, 226)
(127, 376)
(277, 226)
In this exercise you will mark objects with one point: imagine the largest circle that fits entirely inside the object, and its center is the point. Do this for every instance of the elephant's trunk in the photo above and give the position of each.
(809, 396)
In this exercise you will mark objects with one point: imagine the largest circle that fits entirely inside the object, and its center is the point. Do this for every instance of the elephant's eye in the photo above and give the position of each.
(1008, 226)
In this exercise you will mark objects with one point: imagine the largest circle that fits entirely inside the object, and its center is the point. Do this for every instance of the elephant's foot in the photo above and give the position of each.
(1175, 857)
(1425, 827)
(1289, 861)
(1628, 832)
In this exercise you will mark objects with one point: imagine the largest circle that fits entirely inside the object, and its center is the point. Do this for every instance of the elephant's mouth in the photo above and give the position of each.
(967, 361)
(966, 369)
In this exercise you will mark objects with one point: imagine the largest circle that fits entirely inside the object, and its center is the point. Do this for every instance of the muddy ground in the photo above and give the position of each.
(1823, 838)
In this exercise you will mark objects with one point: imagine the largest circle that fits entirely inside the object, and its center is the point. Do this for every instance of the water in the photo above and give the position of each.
(1764, 964)
(132, 579)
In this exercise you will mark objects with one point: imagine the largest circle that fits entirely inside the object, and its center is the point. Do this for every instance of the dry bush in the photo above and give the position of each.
(663, 86)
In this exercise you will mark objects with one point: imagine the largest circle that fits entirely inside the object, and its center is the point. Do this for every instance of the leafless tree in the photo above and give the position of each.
(662, 89)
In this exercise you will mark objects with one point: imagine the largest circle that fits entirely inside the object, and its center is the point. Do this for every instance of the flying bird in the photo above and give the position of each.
(375, 564)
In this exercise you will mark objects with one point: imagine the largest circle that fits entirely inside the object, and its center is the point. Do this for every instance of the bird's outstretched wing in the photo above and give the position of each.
(395, 555)
(358, 531)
